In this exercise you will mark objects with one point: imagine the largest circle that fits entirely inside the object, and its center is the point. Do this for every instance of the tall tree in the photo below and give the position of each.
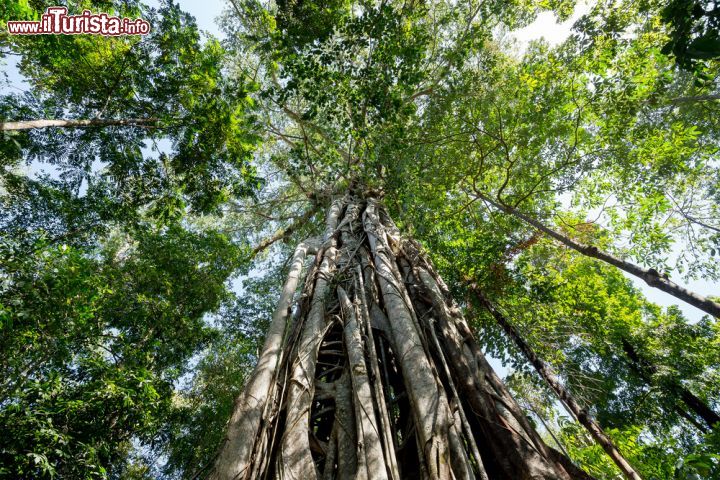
(579, 315)
(377, 375)
(563, 395)
(369, 112)
(107, 277)
(338, 99)
(375, 101)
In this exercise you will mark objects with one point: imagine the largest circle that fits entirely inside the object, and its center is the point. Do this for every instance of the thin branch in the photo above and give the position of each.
(95, 122)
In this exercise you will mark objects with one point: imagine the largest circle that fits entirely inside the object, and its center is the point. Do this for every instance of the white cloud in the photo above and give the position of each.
(546, 26)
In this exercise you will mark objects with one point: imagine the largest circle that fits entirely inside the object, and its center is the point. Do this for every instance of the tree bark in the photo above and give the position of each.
(554, 383)
(249, 407)
(364, 384)
(95, 122)
(651, 276)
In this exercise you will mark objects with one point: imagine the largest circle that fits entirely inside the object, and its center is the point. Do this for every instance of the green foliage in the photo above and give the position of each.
(195, 154)
(113, 261)
(16, 10)
(205, 403)
(695, 27)
(576, 313)
(304, 22)
(106, 278)
(98, 342)
(652, 460)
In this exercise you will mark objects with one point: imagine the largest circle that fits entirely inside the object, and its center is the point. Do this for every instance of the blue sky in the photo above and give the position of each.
(204, 11)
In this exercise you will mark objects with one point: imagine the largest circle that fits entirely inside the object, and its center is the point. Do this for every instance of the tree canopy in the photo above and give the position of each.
(142, 252)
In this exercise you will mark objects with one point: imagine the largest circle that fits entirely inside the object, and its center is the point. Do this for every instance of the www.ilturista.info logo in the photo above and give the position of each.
(55, 20)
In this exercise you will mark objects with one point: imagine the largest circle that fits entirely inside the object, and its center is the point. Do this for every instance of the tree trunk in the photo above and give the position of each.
(377, 376)
(551, 379)
(646, 370)
(95, 122)
(651, 276)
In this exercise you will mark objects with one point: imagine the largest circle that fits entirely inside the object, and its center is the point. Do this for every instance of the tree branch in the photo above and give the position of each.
(95, 122)
(651, 276)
